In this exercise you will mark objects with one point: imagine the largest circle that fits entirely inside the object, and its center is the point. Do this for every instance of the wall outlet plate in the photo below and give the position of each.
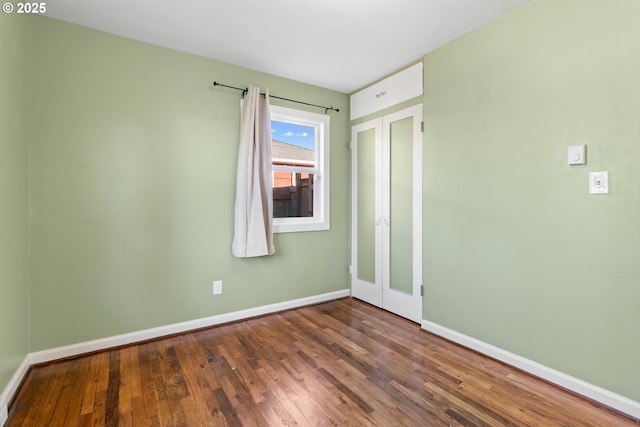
(598, 182)
(217, 287)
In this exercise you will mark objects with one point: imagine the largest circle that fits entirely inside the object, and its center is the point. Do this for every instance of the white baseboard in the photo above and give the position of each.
(12, 387)
(147, 334)
(176, 328)
(601, 395)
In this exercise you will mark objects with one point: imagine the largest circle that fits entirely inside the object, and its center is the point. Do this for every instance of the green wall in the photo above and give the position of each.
(516, 251)
(14, 194)
(133, 187)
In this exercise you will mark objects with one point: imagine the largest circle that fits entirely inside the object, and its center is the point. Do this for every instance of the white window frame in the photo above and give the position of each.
(321, 184)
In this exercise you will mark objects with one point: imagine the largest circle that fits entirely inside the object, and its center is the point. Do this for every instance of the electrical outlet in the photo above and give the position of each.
(598, 182)
(217, 287)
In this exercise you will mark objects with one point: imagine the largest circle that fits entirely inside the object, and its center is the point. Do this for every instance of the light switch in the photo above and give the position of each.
(598, 182)
(577, 155)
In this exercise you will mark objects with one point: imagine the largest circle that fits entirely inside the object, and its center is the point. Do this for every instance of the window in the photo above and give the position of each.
(300, 159)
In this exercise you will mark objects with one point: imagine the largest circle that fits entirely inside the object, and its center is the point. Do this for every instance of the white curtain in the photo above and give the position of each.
(253, 222)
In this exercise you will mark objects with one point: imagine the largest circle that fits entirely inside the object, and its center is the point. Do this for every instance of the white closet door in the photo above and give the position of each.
(402, 213)
(387, 212)
(366, 208)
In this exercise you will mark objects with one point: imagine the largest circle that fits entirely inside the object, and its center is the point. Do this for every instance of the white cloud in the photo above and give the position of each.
(303, 134)
(289, 133)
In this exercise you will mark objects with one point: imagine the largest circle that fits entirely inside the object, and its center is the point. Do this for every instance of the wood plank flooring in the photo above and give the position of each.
(341, 363)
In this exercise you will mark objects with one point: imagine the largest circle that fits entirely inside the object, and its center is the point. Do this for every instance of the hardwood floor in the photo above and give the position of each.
(341, 363)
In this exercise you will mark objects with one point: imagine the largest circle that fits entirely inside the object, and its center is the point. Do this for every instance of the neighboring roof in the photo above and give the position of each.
(289, 152)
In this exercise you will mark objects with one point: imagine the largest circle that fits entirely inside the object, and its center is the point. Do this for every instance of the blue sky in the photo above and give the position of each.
(302, 136)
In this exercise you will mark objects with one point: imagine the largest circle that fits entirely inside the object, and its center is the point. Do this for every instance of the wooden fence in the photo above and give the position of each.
(295, 200)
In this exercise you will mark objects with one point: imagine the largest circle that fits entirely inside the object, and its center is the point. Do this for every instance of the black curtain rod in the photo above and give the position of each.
(244, 91)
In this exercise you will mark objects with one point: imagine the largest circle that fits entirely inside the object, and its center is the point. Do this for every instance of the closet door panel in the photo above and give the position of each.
(386, 240)
(366, 206)
(400, 205)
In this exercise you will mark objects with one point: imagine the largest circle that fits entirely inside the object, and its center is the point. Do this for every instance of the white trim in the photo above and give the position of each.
(594, 392)
(176, 328)
(12, 388)
(320, 221)
(148, 334)
(295, 169)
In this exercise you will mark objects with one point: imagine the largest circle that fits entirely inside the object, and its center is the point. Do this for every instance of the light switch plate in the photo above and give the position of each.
(599, 182)
(577, 155)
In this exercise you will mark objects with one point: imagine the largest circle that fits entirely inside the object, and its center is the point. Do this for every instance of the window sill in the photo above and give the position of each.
(298, 225)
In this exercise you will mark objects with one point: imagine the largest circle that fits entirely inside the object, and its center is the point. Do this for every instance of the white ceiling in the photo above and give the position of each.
(337, 44)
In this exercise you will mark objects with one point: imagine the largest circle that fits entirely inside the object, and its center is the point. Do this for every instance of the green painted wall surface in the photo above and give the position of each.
(516, 252)
(14, 194)
(133, 184)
